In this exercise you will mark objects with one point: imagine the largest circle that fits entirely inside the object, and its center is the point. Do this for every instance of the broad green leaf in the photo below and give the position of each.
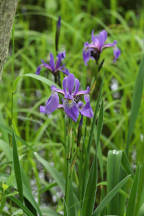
(41, 130)
(40, 78)
(94, 118)
(53, 172)
(141, 211)
(72, 201)
(4, 146)
(125, 163)
(48, 212)
(86, 164)
(113, 178)
(34, 76)
(136, 101)
(98, 146)
(10, 131)
(17, 169)
(90, 194)
(3, 130)
(20, 205)
(28, 192)
(140, 191)
(133, 194)
(99, 125)
(110, 196)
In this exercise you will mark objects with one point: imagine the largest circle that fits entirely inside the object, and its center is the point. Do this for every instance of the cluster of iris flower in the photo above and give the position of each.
(71, 102)
(93, 50)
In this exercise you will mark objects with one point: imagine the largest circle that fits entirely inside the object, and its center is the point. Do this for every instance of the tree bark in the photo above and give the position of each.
(7, 13)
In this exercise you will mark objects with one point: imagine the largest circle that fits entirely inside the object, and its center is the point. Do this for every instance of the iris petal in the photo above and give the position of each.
(55, 89)
(77, 85)
(60, 57)
(65, 85)
(70, 83)
(117, 53)
(46, 65)
(92, 36)
(86, 55)
(65, 71)
(42, 109)
(103, 36)
(51, 105)
(52, 63)
(87, 110)
(110, 44)
(38, 70)
(71, 110)
(83, 92)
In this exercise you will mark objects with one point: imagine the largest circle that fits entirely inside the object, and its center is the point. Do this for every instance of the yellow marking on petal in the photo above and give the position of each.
(70, 102)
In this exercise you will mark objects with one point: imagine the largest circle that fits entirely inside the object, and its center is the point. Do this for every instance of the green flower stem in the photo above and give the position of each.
(68, 155)
(81, 150)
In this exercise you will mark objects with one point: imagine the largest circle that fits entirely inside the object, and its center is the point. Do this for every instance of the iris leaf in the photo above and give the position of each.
(17, 169)
(133, 194)
(20, 205)
(110, 195)
(136, 101)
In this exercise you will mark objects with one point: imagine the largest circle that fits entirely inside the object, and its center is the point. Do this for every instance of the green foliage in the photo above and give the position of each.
(90, 192)
(132, 199)
(101, 179)
(136, 102)
(113, 177)
(17, 169)
(110, 196)
(53, 172)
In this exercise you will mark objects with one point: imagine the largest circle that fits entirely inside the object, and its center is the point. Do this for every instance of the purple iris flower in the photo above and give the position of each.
(52, 66)
(94, 49)
(116, 53)
(72, 104)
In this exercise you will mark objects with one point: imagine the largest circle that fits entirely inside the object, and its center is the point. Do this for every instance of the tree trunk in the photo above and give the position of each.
(7, 13)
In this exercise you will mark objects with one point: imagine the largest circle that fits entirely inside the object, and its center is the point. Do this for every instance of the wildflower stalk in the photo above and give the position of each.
(87, 153)
(68, 164)
(56, 78)
(82, 151)
(79, 134)
(57, 36)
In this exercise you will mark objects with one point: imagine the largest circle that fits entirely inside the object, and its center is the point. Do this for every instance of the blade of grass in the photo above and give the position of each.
(47, 211)
(110, 195)
(53, 172)
(137, 96)
(71, 204)
(17, 169)
(126, 164)
(20, 205)
(113, 177)
(4, 146)
(132, 198)
(94, 119)
(141, 211)
(87, 153)
(40, 78)
(140, 191)
(28, 192)
(99, 125)
(34, 76)
(90, 194)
